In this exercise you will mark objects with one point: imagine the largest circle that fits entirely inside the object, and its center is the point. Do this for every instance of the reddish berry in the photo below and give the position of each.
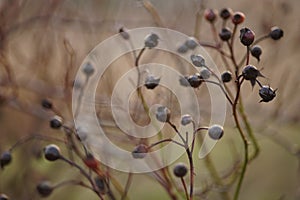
(210, 15)
(246, 36)
(237, 18)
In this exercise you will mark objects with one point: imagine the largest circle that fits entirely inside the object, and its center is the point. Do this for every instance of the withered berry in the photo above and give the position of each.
(267, 93)
(225, 34)
(251, 73)
(246, 36)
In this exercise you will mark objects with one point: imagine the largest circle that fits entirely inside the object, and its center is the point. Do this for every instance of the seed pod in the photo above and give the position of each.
(198, 60)
(225, 34)
(186, 119)
(44, 189)
(88, 69)
(226, 76)
(267, 93)
(194, 80)
(210, 15)
(56, 122)
(215, 132)
(205, 73)
(276, 33)
(180, 170)
(256, 52)
(5, 159)
(237, 18)
(163, 114)
(151, 82)
(52, 152)
(191, 43)
(151, 40)
(246, 36)
(226, 13)
(251, 73)
(140, 151)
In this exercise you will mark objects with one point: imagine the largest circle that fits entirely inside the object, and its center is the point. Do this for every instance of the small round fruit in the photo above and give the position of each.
(56, 122)
(88, 69)
(180, 170)
(225, 34)
(140, 151)
(151, 40)
(3, 197)
(151, 82)
(215, 132)
(198, 60)
(225, 13)
(267, 93)
(210, 15)
(256, 52)
(5, 159)
(237, 18)
(182, 49)
(186, 119)
(44, 189)
(247, 36)
(250, 72)
(163, 114)
(276, 33)
(226, 76)
(194, 80)
(191, 43)
(52, 152)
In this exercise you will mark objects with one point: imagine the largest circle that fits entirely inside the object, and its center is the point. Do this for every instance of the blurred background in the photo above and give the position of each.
(43, 43)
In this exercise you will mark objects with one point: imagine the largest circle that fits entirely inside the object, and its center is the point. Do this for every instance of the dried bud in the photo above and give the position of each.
(44, 189)
(226, 13)
(237, 18)
(210, 15)
(276, 33)
(194, 80)
(186, 119)
(246, 36)
(5, 159)
(256, 52)
(267, 93)
(198, 60)
(151, 40)
(226, 76)
(191, 43)
(151, 82)
(52, 152)
(215, 132)
(180, 170)
(140, 151)
(225, 34)
(163, 114)
(88, 69)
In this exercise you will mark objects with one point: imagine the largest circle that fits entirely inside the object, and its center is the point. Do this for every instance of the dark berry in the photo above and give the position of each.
(194, 80)
(151, 40)
(251, 73)
(52, 152)
(140, 151)
(210, 15)
(186, 119)
(180, 170)
(237, 18)
(215, 132)
(101, 185)
(183, 80)
(46, 103)
(246, 36)
(44, 189)
(226, 76)
(88, 69)
(256, 52)
(151, 82)
(183, 48)
(191, 43)
(225, 13)
(3, 197)
(56, 122)
(225, 34)
(198, 60)
(267, 93)
(163, 114)
(5, 159)
(276, 33)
